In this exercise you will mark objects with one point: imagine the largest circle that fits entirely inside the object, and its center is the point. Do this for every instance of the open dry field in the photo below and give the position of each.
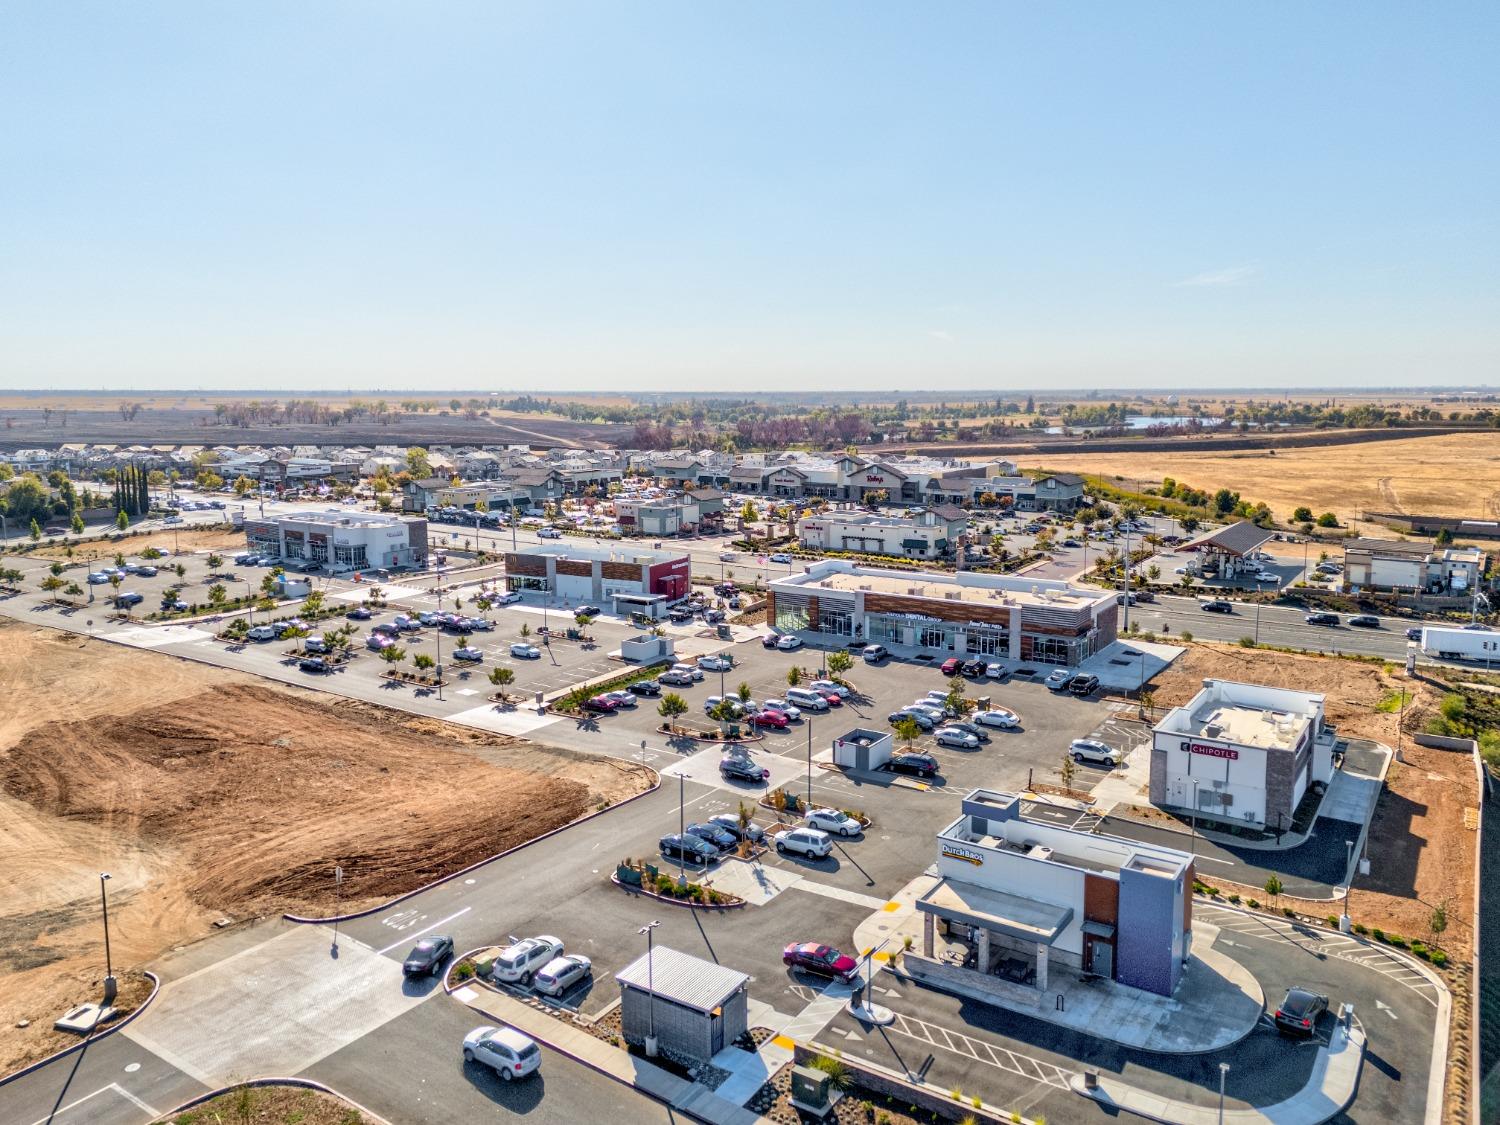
(196, 539)
(208, 794)
(1450, 475)
(1421, 853)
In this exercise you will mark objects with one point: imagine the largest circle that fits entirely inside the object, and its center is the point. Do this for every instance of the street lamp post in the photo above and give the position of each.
(1193, 819)
(681, 829)
(809, 763)
(650, 987)
(1348, 882)
(1223, 1073)
(109, 971)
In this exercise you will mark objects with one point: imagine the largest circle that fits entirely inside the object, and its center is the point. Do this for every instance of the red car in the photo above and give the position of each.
(951, 666)
(601, 703)
(823, 960)
(768, 718)
(831, 699)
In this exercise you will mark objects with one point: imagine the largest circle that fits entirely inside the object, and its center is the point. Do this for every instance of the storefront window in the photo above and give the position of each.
(985, 642)
(836, 621)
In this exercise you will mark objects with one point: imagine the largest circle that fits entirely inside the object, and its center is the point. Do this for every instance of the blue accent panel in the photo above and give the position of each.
(1148, 941)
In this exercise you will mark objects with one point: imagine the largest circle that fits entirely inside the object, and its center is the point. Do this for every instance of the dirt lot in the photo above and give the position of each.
(1424, 854)
(1451, 475)
(206, 539)
(208, 794)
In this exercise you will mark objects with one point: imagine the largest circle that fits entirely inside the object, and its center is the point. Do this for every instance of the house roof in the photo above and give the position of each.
(705, 494)
(1063, 478)
(683, 978)
(1237, 539)
(948, 512)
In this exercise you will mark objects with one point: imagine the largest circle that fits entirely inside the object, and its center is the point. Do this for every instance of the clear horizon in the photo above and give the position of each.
(576, 197)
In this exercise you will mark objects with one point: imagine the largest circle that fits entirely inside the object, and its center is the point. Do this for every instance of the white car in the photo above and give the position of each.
(511, 1054)
(525, 651)
(792, 713)
(831, 820)
(952, 736)
(715, 663)
(828, 687)
(996, 717)
(510, 597)
(1092, 750)
(561, 973)
(780, 557)
(736, 706)
(622, 698)
(805, 841)
(519, 961)
(994, 671)
(472, 655)
(788, 642)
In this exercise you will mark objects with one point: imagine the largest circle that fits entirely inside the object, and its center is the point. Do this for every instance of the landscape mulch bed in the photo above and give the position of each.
(773, 1100)
(269, 1105)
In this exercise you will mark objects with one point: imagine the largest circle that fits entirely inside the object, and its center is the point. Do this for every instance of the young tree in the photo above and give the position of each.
(52, 583)
(217, 595)
(793, 676)
(1328, 519)
(908, 730)
(672, 707)
(743, 691)
(1438, 921)
(1273, 887)
(36, 529)
(839, 663)
(313, 603)
(1067, 771)
(122, 521)
(180, 570)
(77, 524)
(215, 561)
(422, 661)
(502, 678)
(1303, 514)
(393, 655)
(243, 485)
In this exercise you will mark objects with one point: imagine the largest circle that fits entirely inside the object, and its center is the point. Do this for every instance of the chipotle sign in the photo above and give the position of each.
(1213, 751)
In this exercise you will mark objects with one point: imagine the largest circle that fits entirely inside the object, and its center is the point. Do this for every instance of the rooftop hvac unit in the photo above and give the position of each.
(1039, 851)
(1213, 730)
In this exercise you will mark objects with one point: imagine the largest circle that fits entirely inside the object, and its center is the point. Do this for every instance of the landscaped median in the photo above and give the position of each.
(271, 1101)
(647, 879)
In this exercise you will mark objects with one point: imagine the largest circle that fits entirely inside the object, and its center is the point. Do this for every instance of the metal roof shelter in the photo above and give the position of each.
(1237, 539)
(683, 978)
(1021, 918)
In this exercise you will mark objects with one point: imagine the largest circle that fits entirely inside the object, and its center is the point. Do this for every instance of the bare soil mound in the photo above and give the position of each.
(262, 794)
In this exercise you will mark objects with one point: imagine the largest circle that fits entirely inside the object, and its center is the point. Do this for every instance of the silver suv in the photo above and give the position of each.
(805, 841)
(519, 961)
(1092, 750)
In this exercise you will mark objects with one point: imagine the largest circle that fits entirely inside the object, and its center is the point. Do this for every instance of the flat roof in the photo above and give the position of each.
(1249, 726)
(1024, 919)
(924, 585)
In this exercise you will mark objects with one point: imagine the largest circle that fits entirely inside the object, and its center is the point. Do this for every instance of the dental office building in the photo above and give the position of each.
(1242, 752)
(620, 578)
(341, 541)
(963, 614)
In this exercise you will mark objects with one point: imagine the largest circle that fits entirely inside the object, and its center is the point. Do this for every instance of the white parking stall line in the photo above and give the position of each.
(112, 1088)
(423, 930)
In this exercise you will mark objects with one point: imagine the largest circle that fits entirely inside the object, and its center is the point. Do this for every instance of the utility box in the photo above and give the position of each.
(862, 749)
(812, 1090)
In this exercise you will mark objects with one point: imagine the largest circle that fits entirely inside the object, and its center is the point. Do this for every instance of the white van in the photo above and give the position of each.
(807, 700)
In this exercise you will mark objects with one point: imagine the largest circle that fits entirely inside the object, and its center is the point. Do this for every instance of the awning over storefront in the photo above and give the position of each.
(1021, 918)
(1099, 930)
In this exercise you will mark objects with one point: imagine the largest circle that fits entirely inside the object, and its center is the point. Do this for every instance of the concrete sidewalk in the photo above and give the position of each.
(691, 1098)
(1329, 1090)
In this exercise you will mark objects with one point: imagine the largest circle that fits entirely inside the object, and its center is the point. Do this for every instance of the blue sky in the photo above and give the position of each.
(552, 196)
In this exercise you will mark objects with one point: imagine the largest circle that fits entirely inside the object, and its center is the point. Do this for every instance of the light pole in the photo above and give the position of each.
(109, 971)
(1193, 819)
(681, 830)
(809, 764)
(1223, 1073)
(1348, 882)
(650, 987)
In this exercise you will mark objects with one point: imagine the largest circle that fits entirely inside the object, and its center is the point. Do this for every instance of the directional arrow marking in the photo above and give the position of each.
(1387, 1009)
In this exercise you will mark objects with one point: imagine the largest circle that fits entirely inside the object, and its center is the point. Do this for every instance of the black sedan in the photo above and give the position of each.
(644, 687)
(689, 847)
(1085, 684)
(1218, 605)
(743, 769)
(720, 838)
(973, 668)
(1298, 1013)
(769, 640)
(427, 956)
(913, 762)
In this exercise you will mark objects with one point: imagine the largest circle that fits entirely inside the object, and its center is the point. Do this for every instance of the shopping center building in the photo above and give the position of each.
(341, 541)
(963, 614)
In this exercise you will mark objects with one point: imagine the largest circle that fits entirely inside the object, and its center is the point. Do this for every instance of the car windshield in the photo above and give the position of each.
(827, 954)
(425, 947)
(1297, 1003)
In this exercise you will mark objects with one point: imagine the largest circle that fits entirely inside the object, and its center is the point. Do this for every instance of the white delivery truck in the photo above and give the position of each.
(1448, 643)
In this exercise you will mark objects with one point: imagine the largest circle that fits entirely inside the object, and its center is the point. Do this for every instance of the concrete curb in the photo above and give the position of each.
(31, 1068)
(261, 1083)
(303, 920)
